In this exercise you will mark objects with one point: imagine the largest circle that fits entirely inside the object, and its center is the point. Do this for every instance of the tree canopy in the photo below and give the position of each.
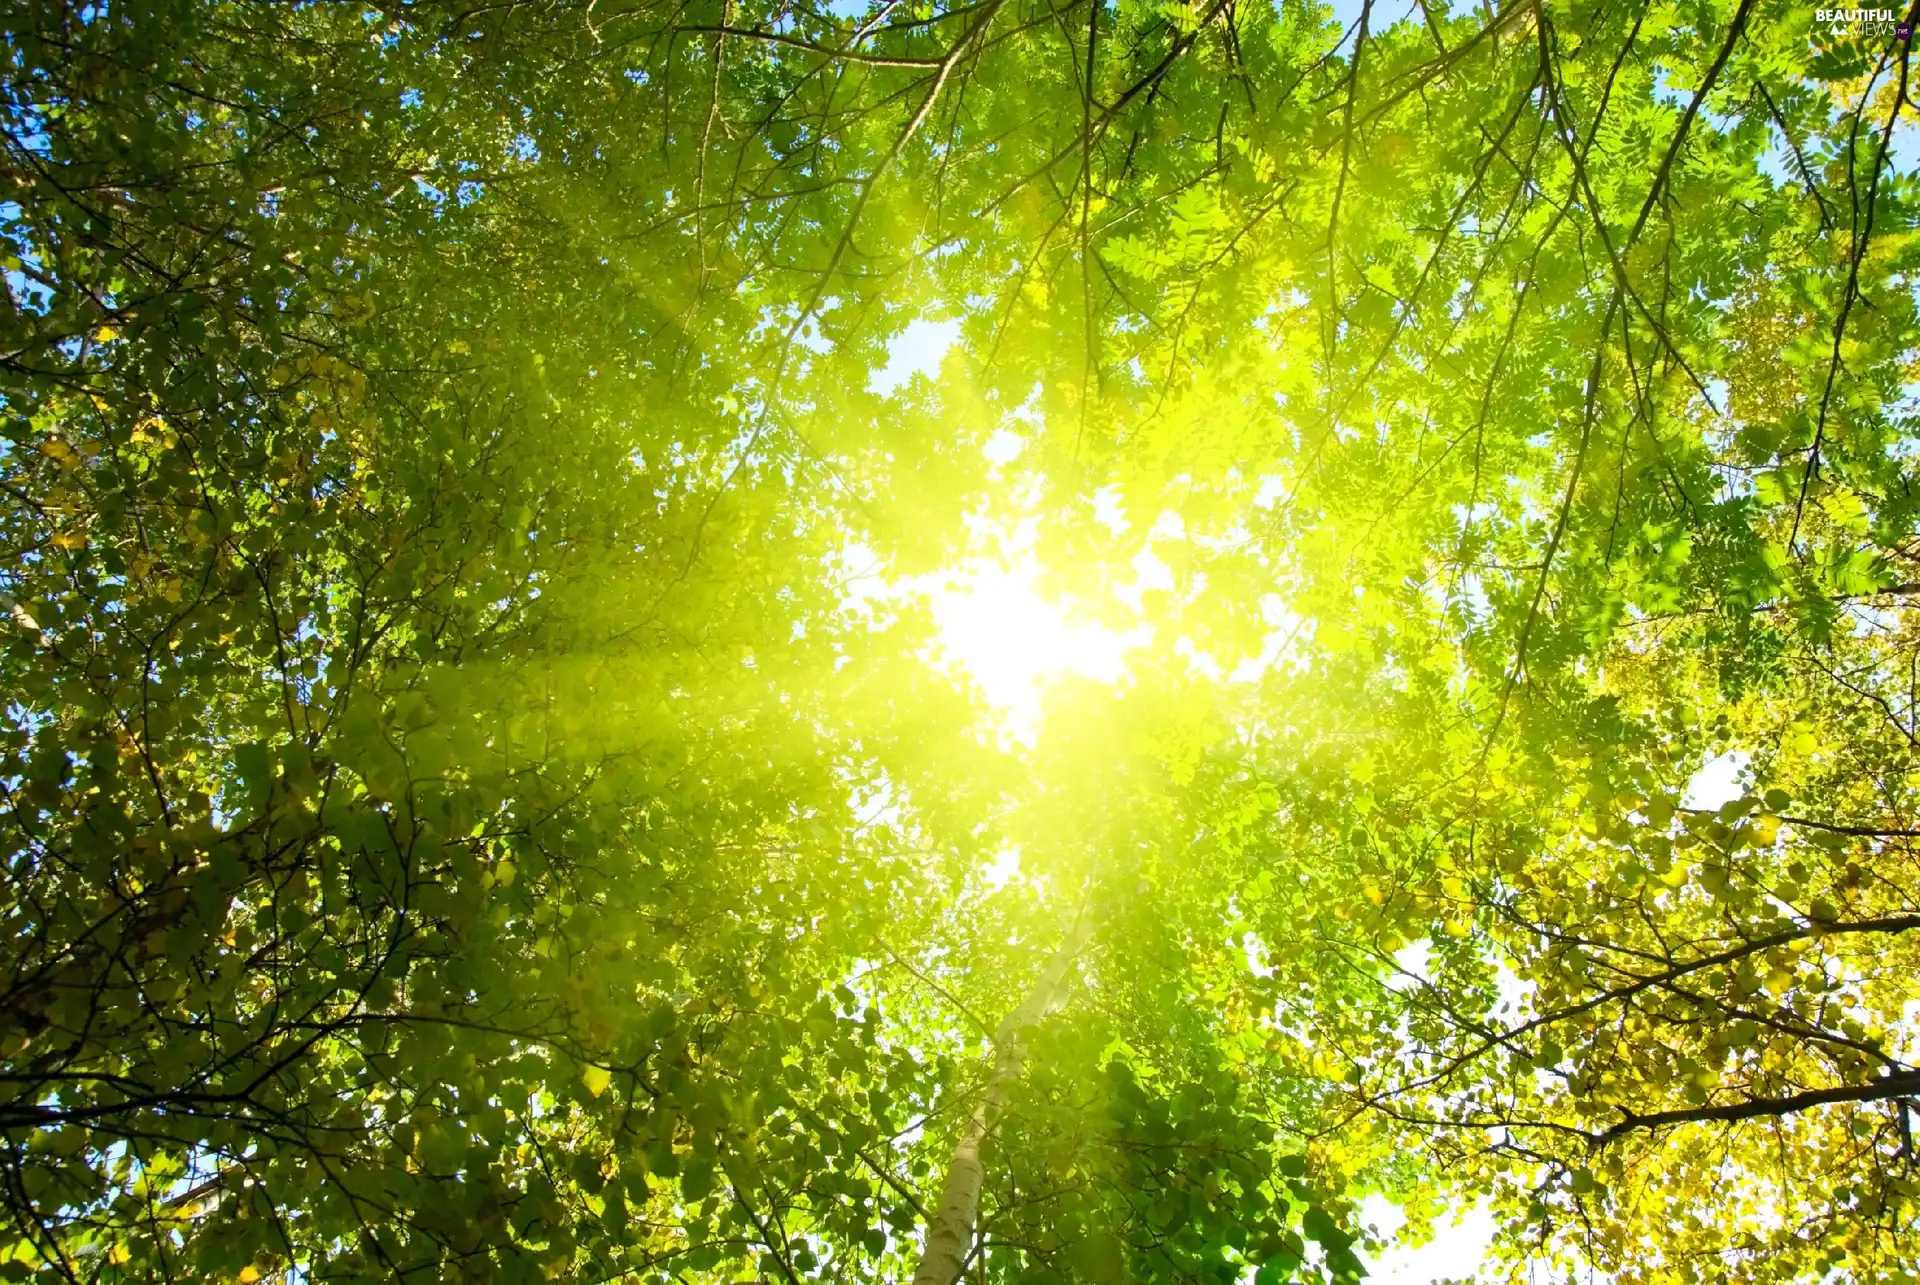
(482, 797)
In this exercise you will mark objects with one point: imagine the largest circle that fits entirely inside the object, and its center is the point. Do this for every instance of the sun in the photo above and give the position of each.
(994, 621)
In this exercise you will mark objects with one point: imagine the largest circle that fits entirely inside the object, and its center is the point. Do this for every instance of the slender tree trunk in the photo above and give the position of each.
(950, 1230)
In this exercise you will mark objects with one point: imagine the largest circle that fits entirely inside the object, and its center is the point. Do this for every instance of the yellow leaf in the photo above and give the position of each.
(596, 1078)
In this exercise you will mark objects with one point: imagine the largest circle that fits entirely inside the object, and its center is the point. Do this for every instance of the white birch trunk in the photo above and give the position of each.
(950, 1231)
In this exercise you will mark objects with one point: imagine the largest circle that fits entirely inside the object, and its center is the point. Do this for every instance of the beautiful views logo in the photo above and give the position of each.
(1864, 22)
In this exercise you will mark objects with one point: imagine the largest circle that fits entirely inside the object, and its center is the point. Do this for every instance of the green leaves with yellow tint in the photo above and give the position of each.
(463, 819)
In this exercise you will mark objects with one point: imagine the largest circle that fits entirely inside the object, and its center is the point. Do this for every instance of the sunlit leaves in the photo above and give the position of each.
(457, 823)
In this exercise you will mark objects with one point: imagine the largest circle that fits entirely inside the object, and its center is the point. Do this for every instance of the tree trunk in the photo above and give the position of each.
(950, 1230)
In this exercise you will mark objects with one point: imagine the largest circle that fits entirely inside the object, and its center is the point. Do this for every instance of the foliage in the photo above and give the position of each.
(462, 820)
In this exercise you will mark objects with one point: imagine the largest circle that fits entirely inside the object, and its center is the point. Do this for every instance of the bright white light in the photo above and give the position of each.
(1004, 869)
(1004, 447)
(1717, 783)
(1416, 965)
(997, 623)
(1457, 1250)
(1149, 574)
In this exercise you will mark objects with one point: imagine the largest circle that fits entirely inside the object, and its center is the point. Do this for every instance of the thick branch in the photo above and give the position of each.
(1905, 1084)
